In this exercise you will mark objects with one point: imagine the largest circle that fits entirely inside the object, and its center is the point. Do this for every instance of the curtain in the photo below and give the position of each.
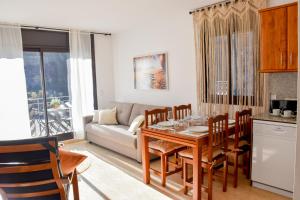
(14, 118)
(80, 79)
(227, 58)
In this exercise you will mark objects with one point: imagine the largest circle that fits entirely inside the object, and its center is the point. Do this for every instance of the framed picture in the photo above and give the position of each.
(151, 72)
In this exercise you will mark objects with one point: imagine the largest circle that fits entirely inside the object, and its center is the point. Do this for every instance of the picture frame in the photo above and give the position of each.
(151, 72)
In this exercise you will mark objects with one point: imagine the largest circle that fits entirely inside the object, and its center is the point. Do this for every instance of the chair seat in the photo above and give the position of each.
(164, 146)
(243, 145)
(188, 153)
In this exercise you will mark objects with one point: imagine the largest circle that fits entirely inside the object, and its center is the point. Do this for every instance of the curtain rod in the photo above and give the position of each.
(210, 6)
(58, 29)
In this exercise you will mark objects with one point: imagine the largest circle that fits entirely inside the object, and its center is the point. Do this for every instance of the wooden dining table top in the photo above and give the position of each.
(183, 133)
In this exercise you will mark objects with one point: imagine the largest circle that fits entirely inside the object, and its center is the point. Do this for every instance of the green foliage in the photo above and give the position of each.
(55, 103)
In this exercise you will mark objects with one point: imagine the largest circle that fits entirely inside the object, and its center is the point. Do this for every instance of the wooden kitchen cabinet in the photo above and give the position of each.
(279, 39)
(292, 38)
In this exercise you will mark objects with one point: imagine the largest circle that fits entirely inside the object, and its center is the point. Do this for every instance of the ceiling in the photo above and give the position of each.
(94, 15)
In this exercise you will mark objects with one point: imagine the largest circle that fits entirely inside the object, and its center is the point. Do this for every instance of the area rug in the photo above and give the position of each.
(101, 180)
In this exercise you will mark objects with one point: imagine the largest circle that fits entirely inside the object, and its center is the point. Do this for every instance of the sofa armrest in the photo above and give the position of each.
(139, 146)
(85, 120)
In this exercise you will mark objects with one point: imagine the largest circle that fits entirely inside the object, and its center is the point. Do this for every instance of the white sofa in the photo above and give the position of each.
(117, 137)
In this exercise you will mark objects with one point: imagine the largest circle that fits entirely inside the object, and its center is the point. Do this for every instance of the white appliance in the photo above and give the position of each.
(273, 156)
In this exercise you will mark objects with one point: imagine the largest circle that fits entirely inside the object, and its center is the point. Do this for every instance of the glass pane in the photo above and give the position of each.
(57, 93)
(32, 64)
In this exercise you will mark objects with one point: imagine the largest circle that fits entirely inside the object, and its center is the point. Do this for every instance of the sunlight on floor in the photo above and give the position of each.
(113, 176)
(109, 182)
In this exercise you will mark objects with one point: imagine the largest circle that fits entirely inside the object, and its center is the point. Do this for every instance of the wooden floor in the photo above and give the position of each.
(174, 189)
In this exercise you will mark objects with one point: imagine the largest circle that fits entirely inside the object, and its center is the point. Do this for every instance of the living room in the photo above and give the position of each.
(118, 88)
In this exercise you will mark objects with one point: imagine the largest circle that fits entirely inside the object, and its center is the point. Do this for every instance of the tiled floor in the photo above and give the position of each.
(173, 190)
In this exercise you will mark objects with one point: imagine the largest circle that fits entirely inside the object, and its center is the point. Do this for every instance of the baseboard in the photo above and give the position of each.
(272, 189)
(73, 141)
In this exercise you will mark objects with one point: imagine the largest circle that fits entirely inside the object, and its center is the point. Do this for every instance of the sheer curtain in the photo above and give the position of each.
(14, 116)
(80, 79)
(227, 58)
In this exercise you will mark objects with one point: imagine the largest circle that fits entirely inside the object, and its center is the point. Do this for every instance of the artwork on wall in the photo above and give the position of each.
(150, 72)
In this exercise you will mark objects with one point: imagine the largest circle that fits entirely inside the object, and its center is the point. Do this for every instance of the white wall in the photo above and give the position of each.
(104, 70)
(279, 2)
(174, 36)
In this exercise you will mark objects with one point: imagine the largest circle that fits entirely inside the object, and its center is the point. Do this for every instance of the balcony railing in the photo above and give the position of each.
(59, 118)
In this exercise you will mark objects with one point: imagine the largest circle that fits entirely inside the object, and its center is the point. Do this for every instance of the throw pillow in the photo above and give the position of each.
(136, 123)
(108, 116)
(96, 116)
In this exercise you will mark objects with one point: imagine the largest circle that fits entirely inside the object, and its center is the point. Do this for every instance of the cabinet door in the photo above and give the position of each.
(273, 153)
(273, 40)
(292, 13)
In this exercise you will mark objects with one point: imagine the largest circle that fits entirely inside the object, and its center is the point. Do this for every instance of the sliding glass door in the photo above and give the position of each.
(48, 92)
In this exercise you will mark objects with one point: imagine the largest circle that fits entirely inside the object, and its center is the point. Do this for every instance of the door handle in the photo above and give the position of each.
(279, 130)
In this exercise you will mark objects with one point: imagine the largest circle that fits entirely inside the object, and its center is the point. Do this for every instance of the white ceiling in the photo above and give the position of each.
(94, 15)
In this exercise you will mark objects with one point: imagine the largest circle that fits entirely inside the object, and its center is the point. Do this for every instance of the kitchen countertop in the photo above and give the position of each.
(269, 117)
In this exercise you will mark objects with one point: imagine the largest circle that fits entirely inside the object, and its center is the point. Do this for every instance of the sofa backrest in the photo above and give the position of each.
(123, 112)
(139, 109)
(127, 112)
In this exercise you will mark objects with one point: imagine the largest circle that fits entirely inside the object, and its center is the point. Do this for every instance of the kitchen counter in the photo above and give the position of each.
(269, 117)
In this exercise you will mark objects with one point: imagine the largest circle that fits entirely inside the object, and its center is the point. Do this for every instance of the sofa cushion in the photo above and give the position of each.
(108, 117)
(123, 112)
(139, 109)
(95, 116)
(136, 123)
(116, 133)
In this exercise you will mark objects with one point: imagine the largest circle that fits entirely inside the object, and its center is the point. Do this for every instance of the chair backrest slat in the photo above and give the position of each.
(218, 134)
(33, 194)
(26, 168)
(21, 148)
(155, 116)
(12, 185)
(243, 127)
(182, 111)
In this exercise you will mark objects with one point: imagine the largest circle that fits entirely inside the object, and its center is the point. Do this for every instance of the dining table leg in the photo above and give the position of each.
(146, 159)
(197, 171)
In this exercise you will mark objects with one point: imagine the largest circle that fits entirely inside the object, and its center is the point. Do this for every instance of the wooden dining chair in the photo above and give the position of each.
(214, 155)
(182, 111)
(30, 169)
(240, 145)
(163, 149)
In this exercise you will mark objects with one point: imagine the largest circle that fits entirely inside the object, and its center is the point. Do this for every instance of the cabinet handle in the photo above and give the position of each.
(281, 59)
(279, 130)
(291, 58)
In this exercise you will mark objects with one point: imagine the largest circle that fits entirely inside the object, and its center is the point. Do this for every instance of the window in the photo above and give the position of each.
(47, 92)
(242, 64)
(227, 58)
(231, 69)
(46, 56)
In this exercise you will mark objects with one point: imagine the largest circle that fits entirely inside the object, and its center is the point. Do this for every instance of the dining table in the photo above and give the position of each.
(180, 135)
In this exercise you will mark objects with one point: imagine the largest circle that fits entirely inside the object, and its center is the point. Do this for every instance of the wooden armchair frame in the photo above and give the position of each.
(31, 168)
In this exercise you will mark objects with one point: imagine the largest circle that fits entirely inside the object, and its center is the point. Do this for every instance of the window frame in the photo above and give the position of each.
(232, 99)
(41, 50)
